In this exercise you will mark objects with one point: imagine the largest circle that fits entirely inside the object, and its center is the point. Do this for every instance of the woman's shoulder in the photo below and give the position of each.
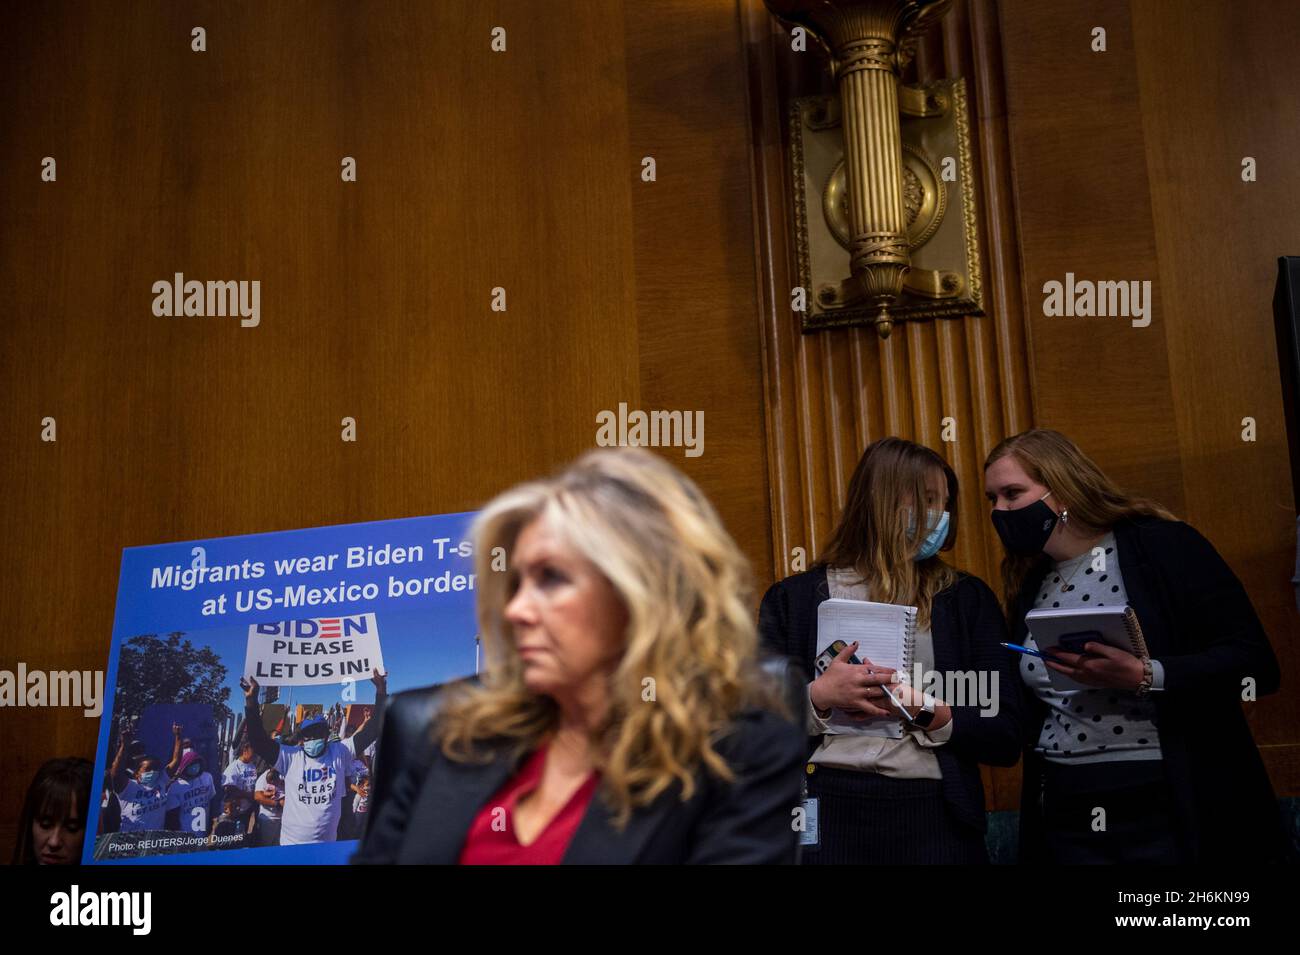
(806, 585)
(409, 717)
(1180, 553)
(416, 708)
(969, 587)
(809, 579)
(758, 735)
(1177, 538)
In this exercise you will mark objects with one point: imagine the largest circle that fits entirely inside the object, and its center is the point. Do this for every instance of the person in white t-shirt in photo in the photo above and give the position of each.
(359, 768)
(315, 768)
(351, 826)
(194, 796)
(360, 805)
(142, 796)
(269, 795)
(241, 773)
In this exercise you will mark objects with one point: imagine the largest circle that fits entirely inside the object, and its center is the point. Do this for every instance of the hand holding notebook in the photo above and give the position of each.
(1070, 630)
(885, 634)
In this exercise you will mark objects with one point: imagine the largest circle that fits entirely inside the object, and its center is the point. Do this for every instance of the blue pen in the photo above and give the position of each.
(1026, 650)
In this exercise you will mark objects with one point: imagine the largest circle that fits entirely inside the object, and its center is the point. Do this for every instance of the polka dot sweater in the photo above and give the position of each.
(1093, 725)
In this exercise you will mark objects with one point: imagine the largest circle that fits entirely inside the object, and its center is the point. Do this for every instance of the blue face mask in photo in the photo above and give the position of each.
(314, 747)
(151, 779)
(934, 540)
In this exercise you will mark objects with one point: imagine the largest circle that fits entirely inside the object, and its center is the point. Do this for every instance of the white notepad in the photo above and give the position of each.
(1116, 626)
(886, 635)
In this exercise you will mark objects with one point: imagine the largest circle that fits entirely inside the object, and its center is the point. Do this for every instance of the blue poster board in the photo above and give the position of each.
(313, 612)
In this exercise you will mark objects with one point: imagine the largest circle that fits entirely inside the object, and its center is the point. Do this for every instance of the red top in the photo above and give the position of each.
(500, 846)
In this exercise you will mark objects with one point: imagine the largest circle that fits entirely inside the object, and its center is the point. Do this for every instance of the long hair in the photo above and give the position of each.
(873, 537)
(686, 588)
(59, 787)
(1094, 501)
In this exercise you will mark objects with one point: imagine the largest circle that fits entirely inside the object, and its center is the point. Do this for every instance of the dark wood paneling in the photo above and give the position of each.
(1212, 93)
(476, 170)
(1083, 202)
(696, 298)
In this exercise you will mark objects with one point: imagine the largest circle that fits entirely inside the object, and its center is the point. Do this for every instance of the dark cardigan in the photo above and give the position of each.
(968, 626)
(1199, 623)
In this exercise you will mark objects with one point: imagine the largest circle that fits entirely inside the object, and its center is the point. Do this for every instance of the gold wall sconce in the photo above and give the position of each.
(884, 190)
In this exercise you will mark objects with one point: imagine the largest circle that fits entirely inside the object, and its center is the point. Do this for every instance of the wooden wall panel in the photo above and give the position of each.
(697, 328)
(1212, 94)
(475, 170)
(1084, 206)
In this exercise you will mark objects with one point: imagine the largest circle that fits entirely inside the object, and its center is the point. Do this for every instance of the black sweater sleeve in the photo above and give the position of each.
(265, 747)
(992, 734)
(1225, 641)
(774, 623)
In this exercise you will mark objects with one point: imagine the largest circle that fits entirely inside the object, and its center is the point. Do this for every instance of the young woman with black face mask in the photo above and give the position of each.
(1157, 750)
(920, 798)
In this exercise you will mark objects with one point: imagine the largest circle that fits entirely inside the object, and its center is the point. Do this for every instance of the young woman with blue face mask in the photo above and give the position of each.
(918, 799)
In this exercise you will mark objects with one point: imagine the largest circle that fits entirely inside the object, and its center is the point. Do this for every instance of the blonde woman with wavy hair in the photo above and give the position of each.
(621, 714)
(1159, 741)
(917, 798)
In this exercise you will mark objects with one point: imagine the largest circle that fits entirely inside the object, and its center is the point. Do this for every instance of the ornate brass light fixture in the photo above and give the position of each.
(878, 191)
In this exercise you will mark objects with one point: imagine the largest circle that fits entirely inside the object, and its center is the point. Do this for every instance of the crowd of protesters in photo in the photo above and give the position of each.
(243, 807)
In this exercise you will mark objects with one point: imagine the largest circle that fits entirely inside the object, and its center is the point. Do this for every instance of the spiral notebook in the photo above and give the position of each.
(886, 635)
(1070, 629)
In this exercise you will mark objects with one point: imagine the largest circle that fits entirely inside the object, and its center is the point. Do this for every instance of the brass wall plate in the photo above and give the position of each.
(942, 234)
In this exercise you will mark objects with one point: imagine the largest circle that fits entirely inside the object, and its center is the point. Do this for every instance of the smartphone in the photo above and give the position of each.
(1074, 642)
(827, 657)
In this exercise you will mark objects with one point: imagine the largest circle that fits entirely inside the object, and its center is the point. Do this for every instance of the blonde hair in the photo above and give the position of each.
(686, 588)
(872, 535)
(1094, 501)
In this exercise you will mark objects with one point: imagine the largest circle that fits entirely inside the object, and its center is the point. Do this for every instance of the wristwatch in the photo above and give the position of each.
(924, 716)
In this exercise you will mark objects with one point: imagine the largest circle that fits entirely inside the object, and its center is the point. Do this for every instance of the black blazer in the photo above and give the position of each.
(968, 627)
(1199, 623)
(424, 803)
